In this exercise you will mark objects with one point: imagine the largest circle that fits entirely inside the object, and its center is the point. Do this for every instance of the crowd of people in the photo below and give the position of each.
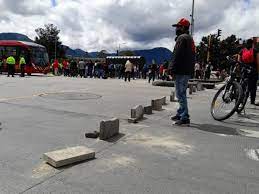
(98, 69)
(205, 72)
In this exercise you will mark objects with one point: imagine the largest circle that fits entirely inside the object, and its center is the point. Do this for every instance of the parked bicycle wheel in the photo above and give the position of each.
(243, 103)
(226, 101)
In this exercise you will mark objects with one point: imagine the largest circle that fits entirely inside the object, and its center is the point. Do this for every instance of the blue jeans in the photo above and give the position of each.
(181, 85)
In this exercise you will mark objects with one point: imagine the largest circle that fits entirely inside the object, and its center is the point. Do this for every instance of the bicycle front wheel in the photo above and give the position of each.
(226, 101)
(243, 103)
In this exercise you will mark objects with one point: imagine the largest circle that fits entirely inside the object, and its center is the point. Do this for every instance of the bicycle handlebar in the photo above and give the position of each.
(238, 62)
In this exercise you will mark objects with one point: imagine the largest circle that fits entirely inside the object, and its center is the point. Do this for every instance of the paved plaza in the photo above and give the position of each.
(44, 113)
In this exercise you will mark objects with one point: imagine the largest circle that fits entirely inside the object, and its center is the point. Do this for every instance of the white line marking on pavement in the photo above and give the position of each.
(248, 133)
(245, 120)
(224, 135)
(252, 154)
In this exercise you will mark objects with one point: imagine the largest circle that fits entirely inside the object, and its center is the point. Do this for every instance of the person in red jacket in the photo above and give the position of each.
(55, 67)
(250, 56)
(65, 67)
(161, 71)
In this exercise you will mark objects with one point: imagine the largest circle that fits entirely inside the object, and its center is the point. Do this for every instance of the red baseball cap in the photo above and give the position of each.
(182, 22)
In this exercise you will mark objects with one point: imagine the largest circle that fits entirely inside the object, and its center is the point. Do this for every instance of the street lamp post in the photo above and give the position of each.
(192, 22)
(120, 47)
(55, 48)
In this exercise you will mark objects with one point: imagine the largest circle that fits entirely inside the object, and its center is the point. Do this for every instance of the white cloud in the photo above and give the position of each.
(103, 24)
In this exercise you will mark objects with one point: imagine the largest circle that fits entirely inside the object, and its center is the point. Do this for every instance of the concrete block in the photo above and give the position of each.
(157, 104)
(200, 86)
(190, 89)
(137, 112)
(194, 89)
(109, 129)
(68, 156)
(209, 85)
(148, 110)
(163, 100)
(173, 97)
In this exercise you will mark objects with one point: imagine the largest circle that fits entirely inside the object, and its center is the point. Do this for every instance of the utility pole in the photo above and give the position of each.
(209, 46)
(192, 20)
(55, 47)
(120, 44)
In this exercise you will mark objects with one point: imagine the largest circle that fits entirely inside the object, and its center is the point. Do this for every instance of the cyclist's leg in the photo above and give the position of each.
(252, 85)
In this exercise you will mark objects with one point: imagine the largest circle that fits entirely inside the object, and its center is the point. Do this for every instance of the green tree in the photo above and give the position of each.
(228, 47)
(218, 49)
(49, 37)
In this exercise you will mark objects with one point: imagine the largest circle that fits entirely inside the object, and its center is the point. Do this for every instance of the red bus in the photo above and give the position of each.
(36, 56)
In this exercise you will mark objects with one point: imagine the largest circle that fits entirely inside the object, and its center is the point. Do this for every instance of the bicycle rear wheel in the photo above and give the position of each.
(226, 101)
(243, 103)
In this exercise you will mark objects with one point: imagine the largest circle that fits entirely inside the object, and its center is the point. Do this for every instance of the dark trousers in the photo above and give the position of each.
(127, 76)
(252, 85)
(152, 76)
(197, 74)
(10, 70)
(23, 70)
(144, 74)
(82, 72)
(90, 72)
(65, 72)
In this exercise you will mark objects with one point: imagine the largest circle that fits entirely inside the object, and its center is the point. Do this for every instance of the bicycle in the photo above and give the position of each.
(231, 95)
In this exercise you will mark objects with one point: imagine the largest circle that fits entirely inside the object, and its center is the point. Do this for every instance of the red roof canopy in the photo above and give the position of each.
(12, 43)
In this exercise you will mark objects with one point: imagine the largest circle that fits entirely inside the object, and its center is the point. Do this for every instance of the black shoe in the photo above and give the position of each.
(93, 135)
(176, 118)
(186, 122)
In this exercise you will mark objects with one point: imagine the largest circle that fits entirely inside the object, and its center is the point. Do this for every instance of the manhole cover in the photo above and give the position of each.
(70, 96)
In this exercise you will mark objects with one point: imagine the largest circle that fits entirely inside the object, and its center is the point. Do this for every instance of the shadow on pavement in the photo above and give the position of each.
(219, 129)
(242, 123)
(116, 138)
(245, 120)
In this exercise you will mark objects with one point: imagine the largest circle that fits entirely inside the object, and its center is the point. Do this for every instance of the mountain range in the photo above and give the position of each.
(158, 54)
(14, 36)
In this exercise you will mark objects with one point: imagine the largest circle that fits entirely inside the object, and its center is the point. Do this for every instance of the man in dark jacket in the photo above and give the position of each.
(182, 67)
(152, 71)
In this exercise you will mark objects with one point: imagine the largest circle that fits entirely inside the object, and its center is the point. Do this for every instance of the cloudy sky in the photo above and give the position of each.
(105, 24)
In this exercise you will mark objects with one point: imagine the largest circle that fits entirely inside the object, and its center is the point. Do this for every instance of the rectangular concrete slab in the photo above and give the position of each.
(194, 89)
(109, 129)
(163, 100)
(137, 112)
(148, 110)
(190, 89)
(200, 86)
(209, 85)
(68, 156)
(157, 104)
